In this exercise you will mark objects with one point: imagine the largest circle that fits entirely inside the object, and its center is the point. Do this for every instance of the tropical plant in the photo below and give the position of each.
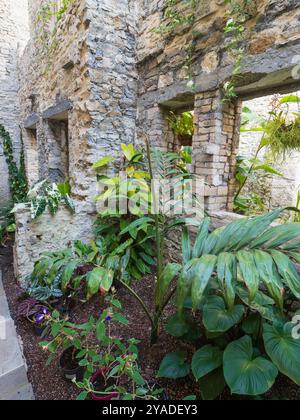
(97, 350)
(46, 194)
(242, 278)
(155, 212)
(280, 136)
(245, 169)
(182, 124)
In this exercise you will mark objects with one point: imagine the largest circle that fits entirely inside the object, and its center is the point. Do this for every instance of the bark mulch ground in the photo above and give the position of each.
(48, 383)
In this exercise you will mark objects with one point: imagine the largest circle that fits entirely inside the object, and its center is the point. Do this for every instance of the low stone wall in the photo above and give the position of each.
(47, 233)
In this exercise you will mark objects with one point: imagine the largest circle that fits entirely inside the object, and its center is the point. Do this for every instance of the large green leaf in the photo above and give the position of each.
(262, 303)
(212, 385)
(170, 271)
(183, 326)
(283, 349)
(227, 274)
(217, 318)
(249, 272)
(203, 271)
(256, 226)
(200, 238)
(103, 162)
(174, 366)
(186, 245)
(244, 374)
(269, 275)
(67, 274)
(206, 360)
(288, 272)
(99, 277)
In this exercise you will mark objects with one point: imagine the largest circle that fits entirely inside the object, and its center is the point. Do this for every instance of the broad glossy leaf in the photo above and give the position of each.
(202, 273)
(182, 325)
(217, 318)
(200, 238)
(249, 272)
(262, 303)
(269, 275)
(103, 162)
(252, 325)
(256, 226)
(184, 283)
(95, 279)
(283, 349)
(186, 246)
(206, 360)
(244, 374)
(174, 366)
(67, 274)
(227, 275)
(170, 271)
(212, 385)
(287, 271)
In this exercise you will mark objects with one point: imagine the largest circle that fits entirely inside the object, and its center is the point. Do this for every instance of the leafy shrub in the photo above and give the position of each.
(96, 349)
(182, 124)
(242, 278)
(45, 194)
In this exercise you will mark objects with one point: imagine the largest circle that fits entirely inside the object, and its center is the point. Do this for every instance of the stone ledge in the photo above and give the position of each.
(14, 383)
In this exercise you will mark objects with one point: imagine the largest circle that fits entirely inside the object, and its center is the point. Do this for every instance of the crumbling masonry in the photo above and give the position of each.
(101, 77)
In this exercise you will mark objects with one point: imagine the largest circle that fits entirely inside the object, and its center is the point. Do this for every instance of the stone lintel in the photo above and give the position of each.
(58, 111)
(31, 121)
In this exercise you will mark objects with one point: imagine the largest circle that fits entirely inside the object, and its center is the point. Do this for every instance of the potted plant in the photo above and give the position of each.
(37, 313)
(70, 364)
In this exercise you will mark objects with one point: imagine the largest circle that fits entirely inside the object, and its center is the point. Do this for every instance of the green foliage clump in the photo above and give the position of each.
(242, 279)
(182, 124)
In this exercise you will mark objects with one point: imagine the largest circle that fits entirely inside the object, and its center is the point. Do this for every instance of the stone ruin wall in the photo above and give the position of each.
(276, 191)
(14, 33)
(89, 65)
(272, 43)
(121, 79)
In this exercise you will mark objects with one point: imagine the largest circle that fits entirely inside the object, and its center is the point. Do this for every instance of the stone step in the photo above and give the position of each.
(14, 383)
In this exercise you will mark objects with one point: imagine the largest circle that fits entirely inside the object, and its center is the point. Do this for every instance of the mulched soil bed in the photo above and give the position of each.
(48, 383)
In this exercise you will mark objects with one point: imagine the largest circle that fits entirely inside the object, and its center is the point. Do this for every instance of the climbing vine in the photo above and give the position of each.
(51, 12)
(17, 181)
(17, 175)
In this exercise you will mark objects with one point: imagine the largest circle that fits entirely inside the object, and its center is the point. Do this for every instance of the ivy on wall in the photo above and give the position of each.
(17, 181)
(17, 175)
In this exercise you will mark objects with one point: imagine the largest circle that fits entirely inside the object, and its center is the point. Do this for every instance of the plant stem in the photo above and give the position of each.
(142, 303)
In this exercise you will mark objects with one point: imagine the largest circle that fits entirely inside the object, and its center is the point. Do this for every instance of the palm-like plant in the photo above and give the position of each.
(244, 258)
(243, 279)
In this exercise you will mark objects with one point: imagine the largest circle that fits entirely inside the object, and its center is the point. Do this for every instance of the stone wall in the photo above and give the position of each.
(106, 74)
(13, 35)
(276, 191)
(84, 76)
(272, 43)
(48, 233)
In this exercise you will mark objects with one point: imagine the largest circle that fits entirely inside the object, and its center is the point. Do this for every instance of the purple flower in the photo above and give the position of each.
(39, 318)
(108, 318)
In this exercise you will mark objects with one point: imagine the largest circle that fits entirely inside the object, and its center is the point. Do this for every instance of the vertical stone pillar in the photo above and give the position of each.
(215, 148)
